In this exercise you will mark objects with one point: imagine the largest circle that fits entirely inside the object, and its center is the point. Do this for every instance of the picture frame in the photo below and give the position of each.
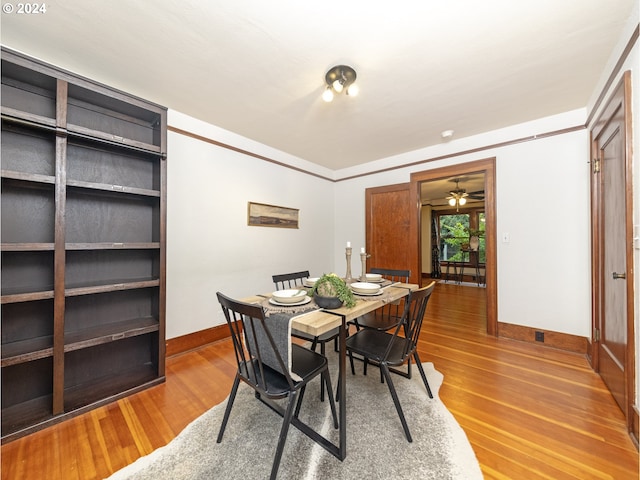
(264, 215)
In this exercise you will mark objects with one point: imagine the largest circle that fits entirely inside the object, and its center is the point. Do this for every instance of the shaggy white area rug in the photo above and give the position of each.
(376, 445)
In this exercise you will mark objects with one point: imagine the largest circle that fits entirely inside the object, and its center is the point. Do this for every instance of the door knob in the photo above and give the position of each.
(619, 275)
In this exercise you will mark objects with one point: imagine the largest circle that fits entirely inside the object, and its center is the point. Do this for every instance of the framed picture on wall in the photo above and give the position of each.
(262, 215)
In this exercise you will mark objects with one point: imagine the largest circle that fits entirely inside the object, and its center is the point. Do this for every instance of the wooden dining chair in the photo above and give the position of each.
(385, 318)
(393, 274)
(283, 281)
(387, 350)
(293, 280)
(388, 318)
(274, 367)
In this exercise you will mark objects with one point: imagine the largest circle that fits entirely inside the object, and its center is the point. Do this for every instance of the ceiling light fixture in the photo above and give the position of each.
(447, 134)
(340, 78)
(458, 196)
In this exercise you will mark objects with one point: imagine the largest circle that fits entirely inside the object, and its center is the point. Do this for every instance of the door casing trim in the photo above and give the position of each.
(488, 168)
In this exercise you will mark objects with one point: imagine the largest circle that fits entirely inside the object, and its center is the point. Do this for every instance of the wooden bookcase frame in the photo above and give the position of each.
(82, 242)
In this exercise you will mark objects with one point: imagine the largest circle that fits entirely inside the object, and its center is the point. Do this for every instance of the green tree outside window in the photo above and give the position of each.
(455, 231)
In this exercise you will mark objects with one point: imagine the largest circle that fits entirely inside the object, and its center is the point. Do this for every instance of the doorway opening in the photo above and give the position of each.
(453, 229)
(484, 169)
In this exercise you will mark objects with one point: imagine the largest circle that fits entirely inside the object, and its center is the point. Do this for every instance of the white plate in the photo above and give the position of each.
(310, 282)
(303, 302)
(291, 295)
(379, 292)
(374, 277)
(365, 287)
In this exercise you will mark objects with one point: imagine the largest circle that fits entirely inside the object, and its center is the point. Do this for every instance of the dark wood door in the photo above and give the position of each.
(388, 215)
(613, 326)
(612, 255)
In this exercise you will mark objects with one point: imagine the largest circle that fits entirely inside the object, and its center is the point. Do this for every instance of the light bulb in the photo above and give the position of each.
(452, 202)
(327, 95)
(462, 201)
(353, 90)
(337, 86)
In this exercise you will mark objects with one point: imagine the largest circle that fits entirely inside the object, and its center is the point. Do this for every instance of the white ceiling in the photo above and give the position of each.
(257, 67)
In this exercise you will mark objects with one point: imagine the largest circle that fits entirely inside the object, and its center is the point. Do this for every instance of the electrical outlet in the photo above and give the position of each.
(539, 336)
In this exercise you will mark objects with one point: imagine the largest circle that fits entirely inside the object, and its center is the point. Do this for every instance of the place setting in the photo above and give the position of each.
(366, 289)
(371, 289)
(292, 300)
(376, 278)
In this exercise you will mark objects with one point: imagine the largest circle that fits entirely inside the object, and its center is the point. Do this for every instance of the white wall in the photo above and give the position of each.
(209, 245)
(544, 271)
(211, 248)
(544, 274)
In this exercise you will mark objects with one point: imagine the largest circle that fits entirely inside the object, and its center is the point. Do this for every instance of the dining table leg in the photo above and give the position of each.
(341, 391)
(342, 381)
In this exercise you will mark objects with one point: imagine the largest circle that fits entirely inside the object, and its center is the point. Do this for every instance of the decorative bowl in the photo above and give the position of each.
(373, 277)
(329, 303)
(309, 282)
(365, 287)
(289, 296)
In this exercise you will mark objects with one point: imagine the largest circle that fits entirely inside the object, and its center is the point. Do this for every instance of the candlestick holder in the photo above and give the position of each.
(348, 277)
(363, 259)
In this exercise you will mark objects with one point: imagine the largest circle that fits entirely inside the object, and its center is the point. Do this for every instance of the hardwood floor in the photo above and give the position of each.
(530, 412)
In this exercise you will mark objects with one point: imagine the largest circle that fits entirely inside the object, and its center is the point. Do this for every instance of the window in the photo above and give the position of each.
(455, 232)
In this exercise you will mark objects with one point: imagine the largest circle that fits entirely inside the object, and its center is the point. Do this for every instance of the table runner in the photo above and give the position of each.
(270, 308)
(279, 325)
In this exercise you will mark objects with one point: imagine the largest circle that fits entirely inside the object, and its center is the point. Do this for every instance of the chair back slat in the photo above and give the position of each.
(388, 312)
(413, 317)
(397, 308)
(417, 306)
(393, 275)
(285, 281)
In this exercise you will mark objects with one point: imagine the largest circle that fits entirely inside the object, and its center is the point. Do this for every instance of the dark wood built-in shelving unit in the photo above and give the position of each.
(83, 171)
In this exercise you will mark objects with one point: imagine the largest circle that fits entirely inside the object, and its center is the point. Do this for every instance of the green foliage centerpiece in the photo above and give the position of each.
(331, 285)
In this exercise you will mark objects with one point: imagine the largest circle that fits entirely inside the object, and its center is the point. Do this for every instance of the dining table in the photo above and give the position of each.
(312, 319)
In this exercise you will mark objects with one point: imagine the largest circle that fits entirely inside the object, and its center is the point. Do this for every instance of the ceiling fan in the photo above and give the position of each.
(477, 195)
(458, 196)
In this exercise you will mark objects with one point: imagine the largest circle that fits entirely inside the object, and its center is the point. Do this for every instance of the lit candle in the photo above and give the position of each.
(348, 244)
(362, 250)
